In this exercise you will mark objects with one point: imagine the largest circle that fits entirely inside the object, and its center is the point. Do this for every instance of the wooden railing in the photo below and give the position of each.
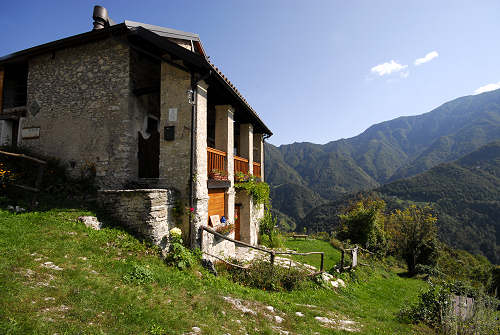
(216, 160)
(240, 165)
(272, 253)
(256, 169)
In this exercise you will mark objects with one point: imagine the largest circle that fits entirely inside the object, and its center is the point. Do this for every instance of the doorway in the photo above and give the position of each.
(149, 150)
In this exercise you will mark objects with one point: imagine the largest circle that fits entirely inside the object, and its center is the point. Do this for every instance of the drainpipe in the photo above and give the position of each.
(194, 84)
(264, 138)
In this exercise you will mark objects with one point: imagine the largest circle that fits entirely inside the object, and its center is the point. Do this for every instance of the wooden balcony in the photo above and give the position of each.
(256, 170)
(240, 165)
(216, 160)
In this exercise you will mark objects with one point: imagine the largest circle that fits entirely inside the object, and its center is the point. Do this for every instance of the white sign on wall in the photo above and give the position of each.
(31, 132)
(172, 114)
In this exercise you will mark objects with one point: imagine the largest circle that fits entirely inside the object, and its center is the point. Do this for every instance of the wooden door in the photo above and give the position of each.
(216, 202)
(237, 222)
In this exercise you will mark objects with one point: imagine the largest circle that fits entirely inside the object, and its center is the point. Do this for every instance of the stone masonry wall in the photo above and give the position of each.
(84, 117)
(147, 212)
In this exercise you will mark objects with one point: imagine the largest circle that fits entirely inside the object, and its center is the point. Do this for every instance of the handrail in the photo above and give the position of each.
(241, 159)
(272, 253)
(39, 161)
(217, 151)
(39, 177)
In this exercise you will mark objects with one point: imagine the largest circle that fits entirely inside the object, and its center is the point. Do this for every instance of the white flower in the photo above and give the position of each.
(175, 232)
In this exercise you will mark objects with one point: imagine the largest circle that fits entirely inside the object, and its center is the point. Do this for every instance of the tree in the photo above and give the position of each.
(413, 232)
(363, 223)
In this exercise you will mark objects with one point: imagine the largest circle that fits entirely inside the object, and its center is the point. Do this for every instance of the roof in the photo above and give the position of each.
(144, 31)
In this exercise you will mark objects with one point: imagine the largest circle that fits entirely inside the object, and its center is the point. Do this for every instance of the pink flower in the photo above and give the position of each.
(191, 209)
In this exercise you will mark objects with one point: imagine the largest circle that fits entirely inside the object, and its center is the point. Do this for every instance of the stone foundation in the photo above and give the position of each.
(146, 212)
(218, 246)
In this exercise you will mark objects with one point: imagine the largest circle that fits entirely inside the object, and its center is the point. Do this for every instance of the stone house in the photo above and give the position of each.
(143, 110)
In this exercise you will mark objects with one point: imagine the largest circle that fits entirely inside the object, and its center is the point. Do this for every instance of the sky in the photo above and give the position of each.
(315, 71)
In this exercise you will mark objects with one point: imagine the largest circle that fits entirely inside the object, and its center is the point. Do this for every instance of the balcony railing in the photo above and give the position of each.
(256, 169)
(216, 160)
(240, 165)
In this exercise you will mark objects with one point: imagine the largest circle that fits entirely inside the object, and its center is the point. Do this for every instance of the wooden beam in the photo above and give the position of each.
(39, 161)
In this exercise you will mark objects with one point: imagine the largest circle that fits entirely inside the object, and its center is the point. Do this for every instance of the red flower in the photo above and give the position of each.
(191, 209)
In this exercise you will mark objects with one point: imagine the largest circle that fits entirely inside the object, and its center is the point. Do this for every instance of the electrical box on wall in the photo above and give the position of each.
(169, 133)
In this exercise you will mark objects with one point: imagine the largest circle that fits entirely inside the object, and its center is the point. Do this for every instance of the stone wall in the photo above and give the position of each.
(146, 212)
(84, 117)
(217, 246)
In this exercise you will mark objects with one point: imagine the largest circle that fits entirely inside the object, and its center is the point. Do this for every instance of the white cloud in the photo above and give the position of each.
(487, 88)
(388, 68)
(430, 56)
(404, 74)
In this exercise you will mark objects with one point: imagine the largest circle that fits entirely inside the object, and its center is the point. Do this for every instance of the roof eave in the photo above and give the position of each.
(63, 43)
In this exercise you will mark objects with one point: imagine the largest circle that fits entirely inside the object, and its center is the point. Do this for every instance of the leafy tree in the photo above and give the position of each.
(363, 223)
(413, 232)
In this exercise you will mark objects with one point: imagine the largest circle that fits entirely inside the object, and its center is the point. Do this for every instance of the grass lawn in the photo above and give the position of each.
(332, 255)
(57, 276)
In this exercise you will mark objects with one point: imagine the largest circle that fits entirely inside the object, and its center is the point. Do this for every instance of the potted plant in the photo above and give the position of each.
(240, 176)
(217, 174)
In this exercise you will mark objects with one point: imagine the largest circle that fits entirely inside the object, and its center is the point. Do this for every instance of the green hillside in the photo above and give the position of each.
(57, 276)
(465, 195)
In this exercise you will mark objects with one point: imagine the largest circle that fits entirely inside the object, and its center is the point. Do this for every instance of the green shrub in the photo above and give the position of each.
(178, 255)
(258, 190)
(337, 244)
(435, 308)
(363, 224)
(269, 236)
(322, 236)
(139, 274)
(262, 275)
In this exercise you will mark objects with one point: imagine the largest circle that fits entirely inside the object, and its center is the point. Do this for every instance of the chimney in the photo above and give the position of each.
(100, 16)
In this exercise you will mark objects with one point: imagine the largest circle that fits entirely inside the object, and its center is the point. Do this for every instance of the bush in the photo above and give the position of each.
(337, 244)
(413, 232)
(178, 255)
(435, 308)
(269, 235)
(258, 190)
(363, 223)
(262, 275)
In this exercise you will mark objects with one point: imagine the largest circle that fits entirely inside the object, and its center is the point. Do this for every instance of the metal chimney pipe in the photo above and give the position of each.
(100, 16)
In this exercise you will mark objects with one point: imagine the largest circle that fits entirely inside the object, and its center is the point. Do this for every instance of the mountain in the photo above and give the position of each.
(465, 195)
(385, 152)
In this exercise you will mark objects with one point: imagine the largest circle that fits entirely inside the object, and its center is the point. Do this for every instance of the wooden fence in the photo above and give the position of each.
(272, 253)
(41, 168)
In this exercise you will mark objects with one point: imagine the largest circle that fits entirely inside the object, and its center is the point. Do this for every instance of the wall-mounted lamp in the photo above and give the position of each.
(190, 96)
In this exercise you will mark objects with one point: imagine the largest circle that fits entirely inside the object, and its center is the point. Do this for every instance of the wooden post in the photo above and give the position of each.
(342, 261)
(272, 258)
(322, 262)
(354, 256)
